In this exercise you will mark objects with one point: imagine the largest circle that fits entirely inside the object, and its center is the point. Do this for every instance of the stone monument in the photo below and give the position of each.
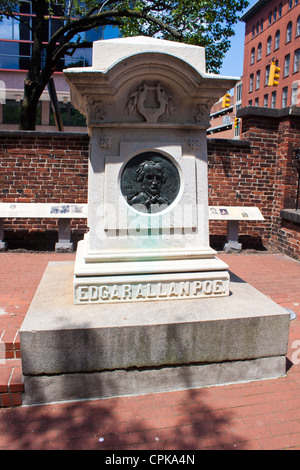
(151, 307)
(147, 103)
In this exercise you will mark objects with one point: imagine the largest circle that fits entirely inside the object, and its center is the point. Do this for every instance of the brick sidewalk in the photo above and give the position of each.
(255, 415)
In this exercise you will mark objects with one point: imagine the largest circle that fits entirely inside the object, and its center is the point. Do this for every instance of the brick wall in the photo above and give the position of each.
(257, 170)
(275, 135)
(42, 167)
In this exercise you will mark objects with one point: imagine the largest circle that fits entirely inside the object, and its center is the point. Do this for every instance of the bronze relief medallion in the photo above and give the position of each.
(150, 182)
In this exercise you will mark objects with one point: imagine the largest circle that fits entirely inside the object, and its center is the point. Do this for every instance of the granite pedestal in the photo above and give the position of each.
(95, 351)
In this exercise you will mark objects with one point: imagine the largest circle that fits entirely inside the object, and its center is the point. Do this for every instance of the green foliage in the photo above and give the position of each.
(207, 23)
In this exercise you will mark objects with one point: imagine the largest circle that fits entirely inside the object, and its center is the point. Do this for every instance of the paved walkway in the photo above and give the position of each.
(249, 416)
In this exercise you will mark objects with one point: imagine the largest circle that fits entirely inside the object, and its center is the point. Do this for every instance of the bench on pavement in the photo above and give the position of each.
(63, 212)
(66, 212)
(233, 215)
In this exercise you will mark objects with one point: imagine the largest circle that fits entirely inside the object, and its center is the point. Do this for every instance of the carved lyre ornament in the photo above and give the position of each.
(151, 102)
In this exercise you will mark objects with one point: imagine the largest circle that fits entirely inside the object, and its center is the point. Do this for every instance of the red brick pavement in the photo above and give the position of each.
(263, 415)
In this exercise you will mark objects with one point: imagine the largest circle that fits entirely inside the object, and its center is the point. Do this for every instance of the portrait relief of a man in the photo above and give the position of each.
(150, 182)
(150, 176)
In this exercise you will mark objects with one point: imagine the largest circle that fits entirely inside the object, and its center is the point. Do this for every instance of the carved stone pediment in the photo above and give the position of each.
(151, 102)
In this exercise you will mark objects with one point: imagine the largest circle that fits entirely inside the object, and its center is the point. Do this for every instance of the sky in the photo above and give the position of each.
(233, 61)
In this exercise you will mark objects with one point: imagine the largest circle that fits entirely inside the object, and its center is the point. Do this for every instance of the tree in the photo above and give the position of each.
(207, 23)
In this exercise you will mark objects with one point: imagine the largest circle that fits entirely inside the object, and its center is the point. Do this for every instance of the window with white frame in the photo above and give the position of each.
(259, 48)
(267, 74)
(239, 92)
(289, 32)
(257, 80)
(286, 69)
(296, 61)
(252, 59)
(277, 40)
(269, 45)
(298, 26)
(273, 99)
(251, 83)
(284, 97)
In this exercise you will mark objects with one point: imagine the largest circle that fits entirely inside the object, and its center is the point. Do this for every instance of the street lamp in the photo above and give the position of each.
(297, 161)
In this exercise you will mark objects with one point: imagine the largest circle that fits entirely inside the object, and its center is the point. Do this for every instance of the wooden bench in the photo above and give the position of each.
(63, 212)
(233, 215)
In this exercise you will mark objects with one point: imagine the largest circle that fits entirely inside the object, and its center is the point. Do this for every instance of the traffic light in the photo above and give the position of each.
(274, 74)
(226, 101)
(236, 123)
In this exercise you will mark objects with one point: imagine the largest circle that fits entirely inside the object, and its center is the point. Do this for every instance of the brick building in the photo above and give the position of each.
(272, 30)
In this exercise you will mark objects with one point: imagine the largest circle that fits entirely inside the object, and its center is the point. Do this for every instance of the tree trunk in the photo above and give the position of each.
(28, 111)
(34, 83)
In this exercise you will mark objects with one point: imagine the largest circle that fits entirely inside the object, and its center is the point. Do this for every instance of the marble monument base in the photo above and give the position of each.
(138, 275)
(97, 350)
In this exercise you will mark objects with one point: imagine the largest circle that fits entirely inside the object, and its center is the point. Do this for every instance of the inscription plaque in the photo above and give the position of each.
(150, 182)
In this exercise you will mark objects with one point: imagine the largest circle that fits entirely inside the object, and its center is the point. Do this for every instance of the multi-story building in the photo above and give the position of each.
(15, 51)
(272, 32)
(222, 120)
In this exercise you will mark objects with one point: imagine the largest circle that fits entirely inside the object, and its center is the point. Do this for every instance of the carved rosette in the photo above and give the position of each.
(194, 143)
(105, 142)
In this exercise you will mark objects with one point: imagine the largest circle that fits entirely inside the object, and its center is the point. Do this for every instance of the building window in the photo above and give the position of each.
(280, 10)
(266, 101)
(296, 60)
(289, 32)
(257, 79)
(290, 4)
(298, 26)
(252, 56)
(294, 97)
(270, 18)
(286, 70)
(267, 74)
(277, 40)
(273, 99)
(261, 25)
(256, 102)
(257, 28)
(250, 103)
(251, 83)
(239, 92)
(269, 45)
(275, 14)
(253, 31)
(259, 47)
(284, 97)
